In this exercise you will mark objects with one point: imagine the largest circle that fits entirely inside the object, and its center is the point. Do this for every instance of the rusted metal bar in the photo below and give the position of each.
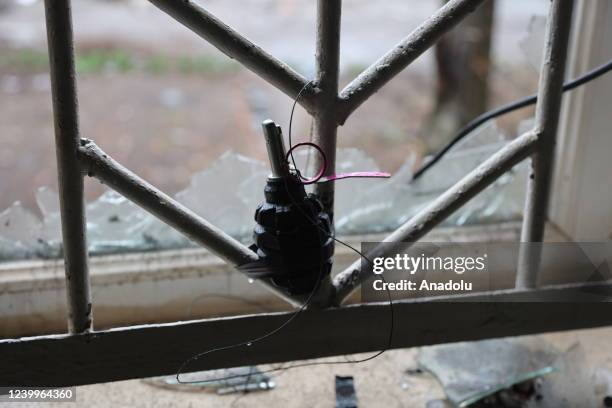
(442, 207)
(546, 122)
(160, 349)
(238, 47)
(72, 202)
(325, 123)
(99, 165)
(402, 55)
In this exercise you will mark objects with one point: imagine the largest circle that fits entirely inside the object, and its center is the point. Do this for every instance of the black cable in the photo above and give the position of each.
(248, 343)
(245, 343)
(317, 224)
(462, 133)
(502, 110)
(295, 101)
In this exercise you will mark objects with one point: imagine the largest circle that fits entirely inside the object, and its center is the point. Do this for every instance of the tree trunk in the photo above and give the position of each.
(462, 62)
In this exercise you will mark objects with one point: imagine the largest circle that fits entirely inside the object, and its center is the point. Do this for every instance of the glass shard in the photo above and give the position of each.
(471, 371)
(229, 190)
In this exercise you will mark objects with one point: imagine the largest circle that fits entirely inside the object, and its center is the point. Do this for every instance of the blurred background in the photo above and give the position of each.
(166, 104)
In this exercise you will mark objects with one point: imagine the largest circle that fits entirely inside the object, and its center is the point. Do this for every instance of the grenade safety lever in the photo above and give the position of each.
(293, 234)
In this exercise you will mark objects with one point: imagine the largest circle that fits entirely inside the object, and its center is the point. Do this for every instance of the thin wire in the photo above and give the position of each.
(321, 177)
(317, 223)
(462, 133)
(307, 180)
(502, 110)
(295, 101)
(249, 343)
(246, 343)
(309, 153)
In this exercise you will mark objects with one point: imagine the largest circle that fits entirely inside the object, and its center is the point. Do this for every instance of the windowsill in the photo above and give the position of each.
(165, 286)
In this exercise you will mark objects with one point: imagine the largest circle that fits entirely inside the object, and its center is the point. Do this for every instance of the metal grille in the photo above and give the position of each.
(330, 108)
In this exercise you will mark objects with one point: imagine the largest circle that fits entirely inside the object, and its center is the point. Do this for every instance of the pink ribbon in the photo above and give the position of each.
(319, 178)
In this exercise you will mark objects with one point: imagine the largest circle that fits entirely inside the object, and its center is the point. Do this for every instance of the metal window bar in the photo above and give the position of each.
(546, 123)
(330, 109)
(539, 140)
(72, 201)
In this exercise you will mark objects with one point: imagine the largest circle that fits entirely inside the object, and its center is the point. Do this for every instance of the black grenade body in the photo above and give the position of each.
(293, 236)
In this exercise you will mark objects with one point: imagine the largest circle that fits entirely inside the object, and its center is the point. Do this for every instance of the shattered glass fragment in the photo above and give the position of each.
(111, 222)
(19, 224)
(48, 203)
(19, 232)
(229, 190)
(471, 371)
(227, 193)
(572, 384)
(222, 381)
(525, 125)
(389, 203)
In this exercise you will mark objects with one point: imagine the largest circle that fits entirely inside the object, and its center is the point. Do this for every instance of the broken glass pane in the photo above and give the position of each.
(572, 384)
(384, 205)
(229, 190)
(19, 232)
(470, 371)
(227, 193)
(222, 381)
(18, 224)
(113, 223)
